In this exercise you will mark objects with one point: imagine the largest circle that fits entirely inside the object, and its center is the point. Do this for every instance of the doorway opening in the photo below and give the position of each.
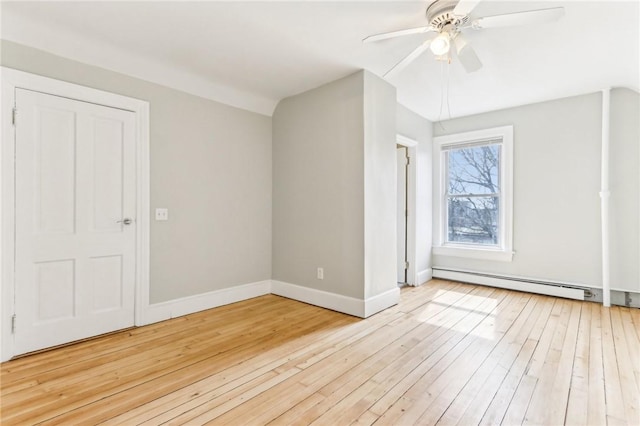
(403, 212)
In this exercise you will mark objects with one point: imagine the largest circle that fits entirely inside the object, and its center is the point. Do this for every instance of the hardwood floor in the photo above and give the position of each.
(449, 353)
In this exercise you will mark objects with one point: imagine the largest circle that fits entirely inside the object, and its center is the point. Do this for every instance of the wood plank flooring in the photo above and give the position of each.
(449, 353)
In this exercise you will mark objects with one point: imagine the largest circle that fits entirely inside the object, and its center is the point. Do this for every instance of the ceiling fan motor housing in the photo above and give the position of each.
(440, 15)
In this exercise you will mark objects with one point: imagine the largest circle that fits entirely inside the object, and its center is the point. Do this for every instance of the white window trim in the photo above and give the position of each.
(504, 251)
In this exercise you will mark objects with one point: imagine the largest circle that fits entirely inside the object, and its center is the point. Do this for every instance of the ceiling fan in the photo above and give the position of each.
(447, 20)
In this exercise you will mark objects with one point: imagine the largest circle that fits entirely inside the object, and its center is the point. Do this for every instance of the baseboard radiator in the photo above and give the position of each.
(515, 283)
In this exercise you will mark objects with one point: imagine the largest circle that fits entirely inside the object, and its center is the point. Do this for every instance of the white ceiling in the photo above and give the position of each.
(252, 54)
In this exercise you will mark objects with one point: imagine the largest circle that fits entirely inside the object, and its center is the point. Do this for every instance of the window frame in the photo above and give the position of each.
(503, 251)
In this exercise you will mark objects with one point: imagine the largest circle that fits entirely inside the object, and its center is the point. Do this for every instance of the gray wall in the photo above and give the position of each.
(334, 180)
(420, 129)
(556, 185)
(625, 190)
(318, 188)
(380, 175)
(210, 165)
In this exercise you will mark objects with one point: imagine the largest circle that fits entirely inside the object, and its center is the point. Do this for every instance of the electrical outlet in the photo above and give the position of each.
(162, 214)
(321, 273)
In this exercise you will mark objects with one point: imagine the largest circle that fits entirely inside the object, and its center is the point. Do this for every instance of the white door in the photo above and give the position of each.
(402, 214)
(75, 252)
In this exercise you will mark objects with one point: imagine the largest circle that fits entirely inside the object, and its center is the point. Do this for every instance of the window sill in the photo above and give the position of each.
(474, 253)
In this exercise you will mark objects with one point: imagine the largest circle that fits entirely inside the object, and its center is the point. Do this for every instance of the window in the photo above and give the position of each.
(473, 193)
(473, 207)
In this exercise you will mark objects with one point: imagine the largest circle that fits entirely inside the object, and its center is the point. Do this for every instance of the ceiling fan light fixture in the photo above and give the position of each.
(450, 19)
(441, 44)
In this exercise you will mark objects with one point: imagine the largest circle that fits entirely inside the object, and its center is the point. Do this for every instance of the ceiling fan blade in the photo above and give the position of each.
(466, 55)
(519, 18)
(464, 7)
(408, 59)
(399, 33)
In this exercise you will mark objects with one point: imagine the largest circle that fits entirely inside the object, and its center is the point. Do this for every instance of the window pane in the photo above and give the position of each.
(473, 220)
(474, 170)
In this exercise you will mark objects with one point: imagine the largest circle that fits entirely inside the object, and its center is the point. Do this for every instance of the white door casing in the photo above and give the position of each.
(402, 213)
(75, 185)
(411, 187)
(117, 256)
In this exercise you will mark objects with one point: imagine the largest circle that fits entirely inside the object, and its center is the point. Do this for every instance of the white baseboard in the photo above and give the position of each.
(382, 301)
(337, 302)
(424, 276)
(200, 302)
(530, 287)
(324, 299)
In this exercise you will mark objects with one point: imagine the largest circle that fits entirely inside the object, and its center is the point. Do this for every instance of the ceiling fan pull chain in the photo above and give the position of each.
(441, 96)
(441, 91)
(448, 86)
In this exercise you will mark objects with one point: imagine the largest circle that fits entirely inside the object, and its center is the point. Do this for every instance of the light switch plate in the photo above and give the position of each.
(162, 214)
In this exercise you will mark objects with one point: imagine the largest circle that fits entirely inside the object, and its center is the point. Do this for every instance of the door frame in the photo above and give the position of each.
(412, 145)
(10, 80)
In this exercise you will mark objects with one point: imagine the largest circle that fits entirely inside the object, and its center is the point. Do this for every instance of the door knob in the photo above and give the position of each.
(125, 221)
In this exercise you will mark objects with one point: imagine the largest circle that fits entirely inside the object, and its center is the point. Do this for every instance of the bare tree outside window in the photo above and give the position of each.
(473, 194)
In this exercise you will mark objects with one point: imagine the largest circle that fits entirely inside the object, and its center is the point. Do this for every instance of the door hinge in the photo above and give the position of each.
(13, 324)
(406, 265)
(408, 160)
(14, 115)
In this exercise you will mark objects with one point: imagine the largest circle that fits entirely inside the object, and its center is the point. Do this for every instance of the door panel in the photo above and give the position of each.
(55, 172)
(75, 182)
(55, 284)
(107, 175)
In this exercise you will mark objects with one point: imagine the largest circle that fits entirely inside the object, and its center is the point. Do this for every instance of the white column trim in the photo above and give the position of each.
(604, 198)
